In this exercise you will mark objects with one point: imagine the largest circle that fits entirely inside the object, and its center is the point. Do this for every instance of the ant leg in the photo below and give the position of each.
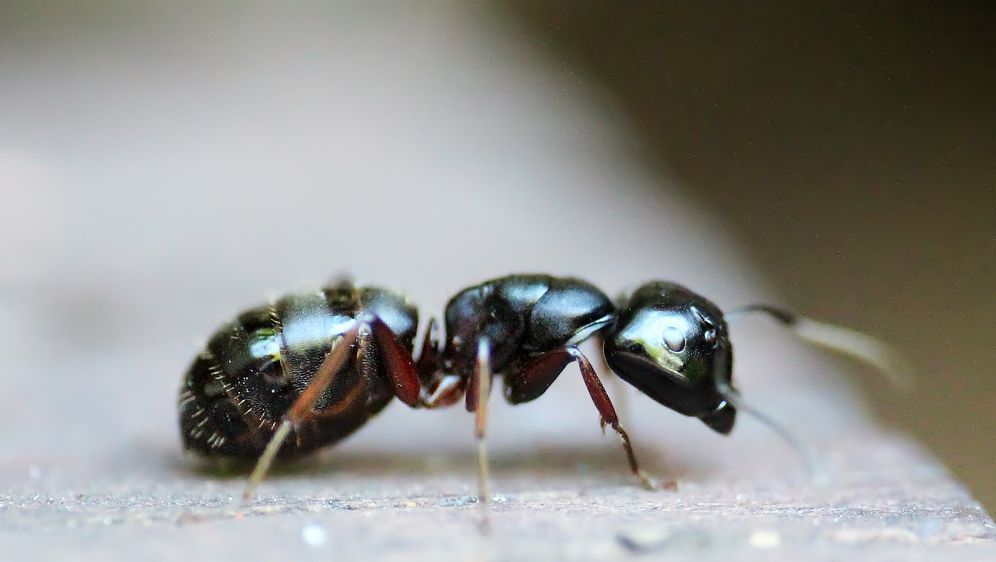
(536, 377)
(398, 363)
(615, 382)
(622, 401)
(427, 365)
(533, 379)
(334, 360)
(448, 391)
(438, 389)
(609, 417)
(477, 400)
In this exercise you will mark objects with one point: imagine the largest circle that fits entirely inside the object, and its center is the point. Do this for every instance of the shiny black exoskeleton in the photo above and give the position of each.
(665, 340)
(254, 368)
(318, 365)
(673, 345)
(520, 316)
(531, 324)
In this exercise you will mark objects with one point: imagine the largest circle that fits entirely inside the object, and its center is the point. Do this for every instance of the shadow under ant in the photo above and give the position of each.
(568, 462)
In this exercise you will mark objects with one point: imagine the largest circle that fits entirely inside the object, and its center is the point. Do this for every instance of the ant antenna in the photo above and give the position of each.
(857, 345)
(818, 471)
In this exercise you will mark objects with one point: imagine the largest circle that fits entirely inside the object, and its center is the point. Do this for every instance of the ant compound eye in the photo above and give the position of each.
(674, 339)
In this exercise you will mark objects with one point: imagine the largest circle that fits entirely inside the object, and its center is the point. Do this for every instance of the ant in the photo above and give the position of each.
(317, 365)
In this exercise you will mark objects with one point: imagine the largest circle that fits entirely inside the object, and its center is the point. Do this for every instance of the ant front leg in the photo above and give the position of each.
(617, 385)
(447, 392)
(533, 379)
(438, 390)
(609, 417)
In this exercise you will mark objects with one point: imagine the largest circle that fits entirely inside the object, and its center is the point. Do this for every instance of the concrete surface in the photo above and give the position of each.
(167, 172)
(888, 500)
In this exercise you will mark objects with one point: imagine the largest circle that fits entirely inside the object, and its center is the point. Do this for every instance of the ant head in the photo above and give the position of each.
(672, 344)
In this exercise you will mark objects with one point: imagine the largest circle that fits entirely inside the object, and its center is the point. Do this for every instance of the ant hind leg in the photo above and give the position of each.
(302, 407)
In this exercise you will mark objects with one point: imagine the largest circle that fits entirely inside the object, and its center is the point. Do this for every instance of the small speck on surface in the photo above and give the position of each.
(314, 535)
(643, 539)
(684, 538)
(765, 539)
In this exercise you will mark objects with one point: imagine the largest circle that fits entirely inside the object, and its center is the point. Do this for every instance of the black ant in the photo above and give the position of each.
(318, 365)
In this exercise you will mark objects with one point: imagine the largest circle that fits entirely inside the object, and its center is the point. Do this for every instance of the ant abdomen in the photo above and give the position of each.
(253, 369)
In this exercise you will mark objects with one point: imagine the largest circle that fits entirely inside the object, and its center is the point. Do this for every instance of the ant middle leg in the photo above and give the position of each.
(438, 389)
(534, 378)
(478, 393)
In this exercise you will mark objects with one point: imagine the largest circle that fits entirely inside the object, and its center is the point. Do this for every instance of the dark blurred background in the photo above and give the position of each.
(852, 149)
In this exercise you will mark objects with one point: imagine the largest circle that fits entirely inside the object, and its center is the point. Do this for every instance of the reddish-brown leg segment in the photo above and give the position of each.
(532, 380)
(448, 392)
(397, 363)
(336, 358)
(474, 385)
(427, 365)
(438, 389)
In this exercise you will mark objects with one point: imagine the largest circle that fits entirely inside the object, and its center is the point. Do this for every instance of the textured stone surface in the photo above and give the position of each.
(887, 499)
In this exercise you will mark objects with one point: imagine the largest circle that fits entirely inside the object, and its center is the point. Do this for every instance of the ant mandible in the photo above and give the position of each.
(318, 365)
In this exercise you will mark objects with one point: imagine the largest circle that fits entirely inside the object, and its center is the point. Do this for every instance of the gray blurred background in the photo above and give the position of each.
(164, 165)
